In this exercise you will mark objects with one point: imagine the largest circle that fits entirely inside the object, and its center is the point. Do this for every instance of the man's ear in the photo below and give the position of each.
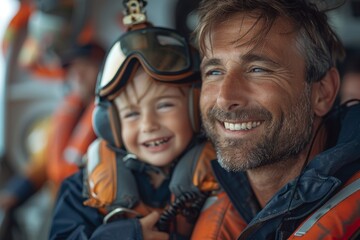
(324, 92)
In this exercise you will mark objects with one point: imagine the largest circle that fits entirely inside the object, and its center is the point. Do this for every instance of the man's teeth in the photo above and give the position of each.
(241, 126)
(156, 143)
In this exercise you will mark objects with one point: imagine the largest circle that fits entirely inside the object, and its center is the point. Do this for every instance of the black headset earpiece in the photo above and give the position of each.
(101, 122)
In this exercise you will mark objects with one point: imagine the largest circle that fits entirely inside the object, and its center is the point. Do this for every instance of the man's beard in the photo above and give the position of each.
(282, 140)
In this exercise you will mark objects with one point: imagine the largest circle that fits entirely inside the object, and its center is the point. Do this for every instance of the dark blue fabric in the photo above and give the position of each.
(155, 197)
(20, 187)
(73, 220)
(321, 179)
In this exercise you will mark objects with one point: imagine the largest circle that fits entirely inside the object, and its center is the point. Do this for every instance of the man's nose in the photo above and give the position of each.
(233, 92)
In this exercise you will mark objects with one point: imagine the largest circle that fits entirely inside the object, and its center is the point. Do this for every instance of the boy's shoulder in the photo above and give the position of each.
(193, 172)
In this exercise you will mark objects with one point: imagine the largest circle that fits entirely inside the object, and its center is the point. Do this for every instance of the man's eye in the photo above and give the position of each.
(213, 73)
(258, 70)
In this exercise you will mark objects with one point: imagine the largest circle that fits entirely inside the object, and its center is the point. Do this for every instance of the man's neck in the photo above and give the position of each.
(266, 181)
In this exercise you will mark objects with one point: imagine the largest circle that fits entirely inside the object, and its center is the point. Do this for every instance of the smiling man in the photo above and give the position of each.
(260, 96)
(269, 82)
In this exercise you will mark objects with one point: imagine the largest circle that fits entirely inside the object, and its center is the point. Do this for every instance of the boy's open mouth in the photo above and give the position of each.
(157, 142)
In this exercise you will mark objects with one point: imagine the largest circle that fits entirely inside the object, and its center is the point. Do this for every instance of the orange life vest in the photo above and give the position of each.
(339, 218)
(69, 130)
(103, 182)
(72, 129)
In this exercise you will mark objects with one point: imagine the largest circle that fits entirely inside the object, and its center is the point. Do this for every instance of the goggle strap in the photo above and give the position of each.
(167, 78)
(186, 79)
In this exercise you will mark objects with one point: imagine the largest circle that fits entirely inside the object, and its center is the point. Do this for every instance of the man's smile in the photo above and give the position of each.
(241, 126)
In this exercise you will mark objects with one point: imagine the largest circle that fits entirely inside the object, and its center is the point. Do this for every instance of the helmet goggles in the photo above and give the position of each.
(164, 54)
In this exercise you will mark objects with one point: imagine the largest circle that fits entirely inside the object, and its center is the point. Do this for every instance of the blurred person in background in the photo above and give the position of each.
(68, 132)
(350, 85)
(55, 42)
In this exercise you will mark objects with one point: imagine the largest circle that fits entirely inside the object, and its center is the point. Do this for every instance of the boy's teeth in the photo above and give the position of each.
(241, 126)
(156, 143)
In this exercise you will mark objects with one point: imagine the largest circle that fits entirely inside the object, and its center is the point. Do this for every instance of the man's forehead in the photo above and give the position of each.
(245, 46)
(244, 29)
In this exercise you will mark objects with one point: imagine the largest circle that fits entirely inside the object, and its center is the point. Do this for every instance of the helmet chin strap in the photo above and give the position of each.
(133, 163)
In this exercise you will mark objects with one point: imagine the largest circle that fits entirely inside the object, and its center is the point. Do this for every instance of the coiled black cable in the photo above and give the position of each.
(188, 204)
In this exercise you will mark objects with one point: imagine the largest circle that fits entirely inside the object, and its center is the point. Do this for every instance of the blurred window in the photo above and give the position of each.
(8, 10)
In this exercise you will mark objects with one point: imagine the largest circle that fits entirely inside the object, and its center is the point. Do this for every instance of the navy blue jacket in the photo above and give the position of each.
(73, 220)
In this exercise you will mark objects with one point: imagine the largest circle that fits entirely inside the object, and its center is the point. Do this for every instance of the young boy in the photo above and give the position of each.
(152, 158)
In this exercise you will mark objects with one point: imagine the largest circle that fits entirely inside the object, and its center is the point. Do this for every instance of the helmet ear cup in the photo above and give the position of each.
(102, 123)
(194, 108)
(115, 124)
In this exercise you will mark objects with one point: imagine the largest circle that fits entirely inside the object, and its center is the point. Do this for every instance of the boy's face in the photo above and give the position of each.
(350, 88)
(155, 123)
